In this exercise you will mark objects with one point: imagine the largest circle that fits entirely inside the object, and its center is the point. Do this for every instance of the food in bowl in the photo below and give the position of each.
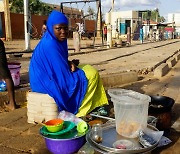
(128, 129)
(54, 125)
(123, 144)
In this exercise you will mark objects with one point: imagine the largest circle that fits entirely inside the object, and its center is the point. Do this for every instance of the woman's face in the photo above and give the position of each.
(61, 31)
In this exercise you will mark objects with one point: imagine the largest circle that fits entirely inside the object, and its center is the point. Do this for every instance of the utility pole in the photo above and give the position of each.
(173, 22)
(26, 25)
(112, 5)
(99, 19)
(157, 14)
(7, 20)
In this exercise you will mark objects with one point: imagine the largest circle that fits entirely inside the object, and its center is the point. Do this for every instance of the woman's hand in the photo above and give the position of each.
(76, 61)
(72, 66)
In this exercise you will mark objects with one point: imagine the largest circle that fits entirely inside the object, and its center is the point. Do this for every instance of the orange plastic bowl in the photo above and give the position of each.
(54, 125)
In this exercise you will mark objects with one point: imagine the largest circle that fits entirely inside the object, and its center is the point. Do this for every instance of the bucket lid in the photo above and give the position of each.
(130, 97)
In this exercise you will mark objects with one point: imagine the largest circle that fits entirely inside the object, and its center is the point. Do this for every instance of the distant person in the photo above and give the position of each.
(43, 30)
(151, 35)
(105, 33)
(6, 76)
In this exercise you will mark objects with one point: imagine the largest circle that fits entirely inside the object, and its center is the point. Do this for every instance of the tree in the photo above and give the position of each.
(91, 13)
(153, 15)
(35, 7)
(16, 6)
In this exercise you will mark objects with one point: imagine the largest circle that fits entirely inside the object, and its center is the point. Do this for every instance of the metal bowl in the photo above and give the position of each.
(160, 107)
(110, 136)
(160, 104)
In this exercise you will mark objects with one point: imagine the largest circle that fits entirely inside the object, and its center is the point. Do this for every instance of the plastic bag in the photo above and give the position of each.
(148, 137)
(131, 111)
(81, 124)
(67, 116)
(2, 85)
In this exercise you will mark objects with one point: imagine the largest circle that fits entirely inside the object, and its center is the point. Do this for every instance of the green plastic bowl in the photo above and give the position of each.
(54, 125)
(67, 127)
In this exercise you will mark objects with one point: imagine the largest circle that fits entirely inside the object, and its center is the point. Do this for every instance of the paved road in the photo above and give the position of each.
(132, 58)
(17, 136)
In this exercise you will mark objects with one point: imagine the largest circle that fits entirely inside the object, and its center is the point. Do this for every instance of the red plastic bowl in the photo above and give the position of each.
(54, 122)
(54, 125)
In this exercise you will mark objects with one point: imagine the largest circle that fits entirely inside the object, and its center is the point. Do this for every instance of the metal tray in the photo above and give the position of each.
(110, 135)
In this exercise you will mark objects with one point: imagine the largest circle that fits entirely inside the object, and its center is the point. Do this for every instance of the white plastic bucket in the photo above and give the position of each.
(131, 111)
(15, 72)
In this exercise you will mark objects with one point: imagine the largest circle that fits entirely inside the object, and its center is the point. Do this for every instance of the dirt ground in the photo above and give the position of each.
(17, 136)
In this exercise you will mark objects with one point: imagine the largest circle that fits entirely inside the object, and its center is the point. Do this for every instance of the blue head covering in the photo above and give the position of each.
(49, 70)
(55, 17)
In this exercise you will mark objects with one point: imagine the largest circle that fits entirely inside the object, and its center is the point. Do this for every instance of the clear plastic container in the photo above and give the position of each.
(131, 111)
(86, 149)
(96, 133)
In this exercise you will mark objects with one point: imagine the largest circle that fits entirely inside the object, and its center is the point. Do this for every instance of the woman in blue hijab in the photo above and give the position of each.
(51, 72)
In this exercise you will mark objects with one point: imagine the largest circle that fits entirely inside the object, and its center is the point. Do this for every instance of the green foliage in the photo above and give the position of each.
(153, 15)
(91, 13)
(35, 7)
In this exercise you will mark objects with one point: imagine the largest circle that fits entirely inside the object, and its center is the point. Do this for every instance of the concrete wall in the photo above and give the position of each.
(174, 17)
(17, 25)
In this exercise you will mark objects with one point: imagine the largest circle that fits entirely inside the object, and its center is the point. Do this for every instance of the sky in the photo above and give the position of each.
(164, 6)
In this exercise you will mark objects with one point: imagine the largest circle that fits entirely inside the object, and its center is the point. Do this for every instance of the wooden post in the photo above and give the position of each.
(76, 41)
(7, 20)
(109, 36)
(129, 35)
(99, 19)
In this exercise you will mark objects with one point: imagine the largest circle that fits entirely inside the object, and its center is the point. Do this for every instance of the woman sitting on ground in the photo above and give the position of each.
(76, 89)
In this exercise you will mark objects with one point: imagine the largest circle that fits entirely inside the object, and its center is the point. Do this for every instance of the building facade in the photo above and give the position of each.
(121, 20)
(174, 20)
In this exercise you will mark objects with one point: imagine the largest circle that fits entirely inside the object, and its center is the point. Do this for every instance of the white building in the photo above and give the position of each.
(121, 20)
(174, 18)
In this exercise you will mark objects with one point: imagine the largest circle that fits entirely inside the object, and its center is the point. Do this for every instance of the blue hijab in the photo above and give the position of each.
(49, 70)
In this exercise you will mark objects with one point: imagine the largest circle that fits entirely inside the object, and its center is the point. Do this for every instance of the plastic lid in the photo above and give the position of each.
(82, 127)
(123, 144)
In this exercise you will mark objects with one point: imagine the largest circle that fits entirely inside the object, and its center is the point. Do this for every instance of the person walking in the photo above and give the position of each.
(43, 30)
(105, 33)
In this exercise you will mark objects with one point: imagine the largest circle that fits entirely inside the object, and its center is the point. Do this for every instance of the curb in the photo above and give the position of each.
(109, 80)
(112, 80)
(166, 66)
